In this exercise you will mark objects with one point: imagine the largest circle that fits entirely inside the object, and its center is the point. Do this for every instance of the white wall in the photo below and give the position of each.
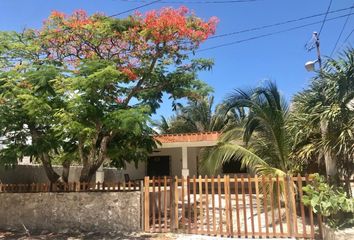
(175, 162)
(134, 173)
(193, 156)
(175, 159)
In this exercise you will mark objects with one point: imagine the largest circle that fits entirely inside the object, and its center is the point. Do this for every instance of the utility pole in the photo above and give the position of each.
(329, 155)
(317, 42)
(310, 65)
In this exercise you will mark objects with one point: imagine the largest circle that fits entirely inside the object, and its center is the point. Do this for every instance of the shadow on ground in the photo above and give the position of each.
(7, 235)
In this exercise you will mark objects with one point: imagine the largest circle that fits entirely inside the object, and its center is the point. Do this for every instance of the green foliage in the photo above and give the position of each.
(28, 102)
(91, 104)
(260, 139)
(329, 99)
(329, 202)
(198, 116)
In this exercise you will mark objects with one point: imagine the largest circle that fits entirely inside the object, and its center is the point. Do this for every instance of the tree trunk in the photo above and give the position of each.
(329, 155)
(87, 173)
(94, 161)
(52, 176)
(66, 170)
(47, 165)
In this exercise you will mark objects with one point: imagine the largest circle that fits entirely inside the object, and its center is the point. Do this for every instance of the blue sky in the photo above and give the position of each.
(279, 57)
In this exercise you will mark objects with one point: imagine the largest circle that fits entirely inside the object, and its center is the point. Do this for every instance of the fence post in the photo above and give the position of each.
(289, 199)
(320, 225)
(142, 202)
(146, 204)
(175, 200)
(174, 203)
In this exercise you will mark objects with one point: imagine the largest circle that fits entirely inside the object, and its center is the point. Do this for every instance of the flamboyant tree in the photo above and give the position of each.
(113, 74)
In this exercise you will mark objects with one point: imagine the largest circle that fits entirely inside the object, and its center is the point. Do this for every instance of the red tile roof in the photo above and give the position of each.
(188, 137)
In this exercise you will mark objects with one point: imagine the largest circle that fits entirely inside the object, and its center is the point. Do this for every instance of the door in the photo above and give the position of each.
(158, 166)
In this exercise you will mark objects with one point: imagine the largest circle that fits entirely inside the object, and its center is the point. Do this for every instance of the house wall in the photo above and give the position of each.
(27, 174)
(135, 173)
(175, 163)
(193, 157)
(85, 211)
(175, 159)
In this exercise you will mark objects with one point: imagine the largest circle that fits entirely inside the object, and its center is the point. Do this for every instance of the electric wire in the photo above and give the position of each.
(325, 17)
(346, 39)
(268, 34)
(341, 32)
(245, 30)
(135, 8)
(199, 2)
(279, 23)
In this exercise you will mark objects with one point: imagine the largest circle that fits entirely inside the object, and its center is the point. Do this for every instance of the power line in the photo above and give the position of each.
(325, 17)
(200, 1)
(279, 23)
(269, 34)
(132, 9)
(136, 8)
(346, 39)
(341, 32)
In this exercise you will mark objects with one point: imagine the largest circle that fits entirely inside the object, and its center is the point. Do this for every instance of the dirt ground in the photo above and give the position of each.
(81, 236)
(110, 236)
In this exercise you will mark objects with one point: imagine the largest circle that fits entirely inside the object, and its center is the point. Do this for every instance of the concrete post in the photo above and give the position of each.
(100, 174)
(185, 170)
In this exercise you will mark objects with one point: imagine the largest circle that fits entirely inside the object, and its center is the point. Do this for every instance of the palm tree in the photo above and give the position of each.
(261, 141)
(323, 118)
(197, 116)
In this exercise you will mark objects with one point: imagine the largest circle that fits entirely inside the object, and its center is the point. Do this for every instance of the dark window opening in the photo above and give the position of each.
(158, 166)
(233, 166)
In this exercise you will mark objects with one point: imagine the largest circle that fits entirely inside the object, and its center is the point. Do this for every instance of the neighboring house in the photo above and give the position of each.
(25, 160)
(178, 155)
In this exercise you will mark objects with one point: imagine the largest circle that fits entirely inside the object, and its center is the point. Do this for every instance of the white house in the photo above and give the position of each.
(178, 155)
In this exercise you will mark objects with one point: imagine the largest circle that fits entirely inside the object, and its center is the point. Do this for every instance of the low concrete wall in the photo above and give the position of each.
(27, 174)
(85, 211)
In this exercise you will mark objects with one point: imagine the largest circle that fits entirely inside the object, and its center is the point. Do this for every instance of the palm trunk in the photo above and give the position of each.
(329, 155)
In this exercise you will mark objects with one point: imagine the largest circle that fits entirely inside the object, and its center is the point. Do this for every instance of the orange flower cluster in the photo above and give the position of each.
(78, 19)
(57, 15)
(129, 73)
(167, 32)
(169, 24)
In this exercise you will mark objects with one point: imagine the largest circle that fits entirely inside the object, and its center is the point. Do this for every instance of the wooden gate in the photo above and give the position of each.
(228, 206)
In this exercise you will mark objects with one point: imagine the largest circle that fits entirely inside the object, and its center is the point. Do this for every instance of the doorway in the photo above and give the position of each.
(158, 166)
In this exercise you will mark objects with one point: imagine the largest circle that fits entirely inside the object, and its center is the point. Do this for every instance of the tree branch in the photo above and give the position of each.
(141, 81)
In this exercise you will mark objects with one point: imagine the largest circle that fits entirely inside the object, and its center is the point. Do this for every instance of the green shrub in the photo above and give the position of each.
(332, 203)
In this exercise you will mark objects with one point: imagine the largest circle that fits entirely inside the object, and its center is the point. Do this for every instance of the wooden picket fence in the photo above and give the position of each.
(72, 187)
(242, 206)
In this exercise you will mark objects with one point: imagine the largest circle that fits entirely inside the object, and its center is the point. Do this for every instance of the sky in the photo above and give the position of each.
(280, 57)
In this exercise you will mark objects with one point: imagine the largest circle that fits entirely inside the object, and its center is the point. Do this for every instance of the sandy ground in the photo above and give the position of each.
(78, 236)
(112, 236)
